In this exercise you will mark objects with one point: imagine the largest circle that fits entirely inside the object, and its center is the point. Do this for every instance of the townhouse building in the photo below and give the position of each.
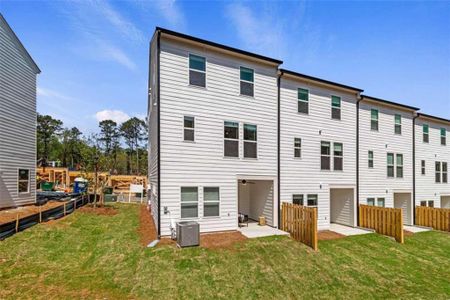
(232, 134)
(318, 146)
(432, 159)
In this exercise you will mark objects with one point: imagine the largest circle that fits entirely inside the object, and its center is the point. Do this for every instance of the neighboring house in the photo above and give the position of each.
(231, 133)
(318, 146)
(17, 121)
(432, 153)
(216, 111)
(386, 154)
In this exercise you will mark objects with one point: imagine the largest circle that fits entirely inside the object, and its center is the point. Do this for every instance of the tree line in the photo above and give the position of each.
(117, 148)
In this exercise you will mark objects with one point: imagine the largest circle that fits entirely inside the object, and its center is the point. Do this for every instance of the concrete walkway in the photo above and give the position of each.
(415, 229)
(347, 230)
(255, 231)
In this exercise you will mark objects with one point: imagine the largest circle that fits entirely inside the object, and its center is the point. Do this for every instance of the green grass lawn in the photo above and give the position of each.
(89, 256)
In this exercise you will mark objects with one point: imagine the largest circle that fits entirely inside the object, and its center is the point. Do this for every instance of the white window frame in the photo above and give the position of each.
(423, 167)
(390, 165)
(23, 180)
(189, 128)
(303, 198)
(427, 134)
(301, 100)
(384, 202)
(231, 139)
(252, 82)
(399, 124)
(195, 70)
(370, 201)
(444, 172)
(196, 202)
(338, 108)
(437, 172)
(317, 200)
(370, 159)
(373, 120)
(338, 156)
(299, 148)
(325, 155)
(249, 141)
(443, 138)
(209, 201)
(399, 166)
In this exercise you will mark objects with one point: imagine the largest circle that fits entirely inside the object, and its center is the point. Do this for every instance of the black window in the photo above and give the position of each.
(430, 203)
(425, 130)
(336, 107)
(231, 139)
(370, 159)
(297, 147)
(444, 172)
(303, 101)
(371, 201)
(312, 200)
(189, 128)
(247, 81)
(297, 199)
(338, 156)
(325, 155)
(399, 165)
(423, 203)
(374, 119)
(398, 124)
(390, 165)
(423, 167)
(197, 70)
(437, 167)
(211, 201)
(189, 202)
(250, 141)
(24, 181)
(443, 136)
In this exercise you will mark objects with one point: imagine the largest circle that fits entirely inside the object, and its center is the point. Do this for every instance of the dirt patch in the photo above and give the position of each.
(10, 214)
(221, 239)
(407, 233)
(147, 229)
(100, 211)
(324, 235)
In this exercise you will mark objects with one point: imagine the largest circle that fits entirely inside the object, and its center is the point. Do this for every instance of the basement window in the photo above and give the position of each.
(231, 139)
(338, 157)
(303, 101)
(189, 202)
(312, 200)
(189, 128)
(399, 165)
(24, 181)
(325, 155)
(197, 70)
(374, 119)
(443, 136)
(247, 81)
(398, 124)
(250, 142)
(425, 130)
(336, 107)
(297, 147)
(211, 201)
(297, 199)
(390, 165)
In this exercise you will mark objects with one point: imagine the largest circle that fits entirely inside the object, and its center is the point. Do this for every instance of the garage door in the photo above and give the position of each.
(342, 206)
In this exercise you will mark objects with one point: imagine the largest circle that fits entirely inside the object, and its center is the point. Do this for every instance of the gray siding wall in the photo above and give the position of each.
(17, 122)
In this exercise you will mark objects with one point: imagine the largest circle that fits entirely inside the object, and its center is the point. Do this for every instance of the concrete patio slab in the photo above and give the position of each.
(255, 231)
(415, 229)
(347, 230)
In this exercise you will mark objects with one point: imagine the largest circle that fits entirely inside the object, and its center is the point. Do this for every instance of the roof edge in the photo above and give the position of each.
(19, 43)
(389, 102)
(217, 45)
(433, 117)
(324, 81)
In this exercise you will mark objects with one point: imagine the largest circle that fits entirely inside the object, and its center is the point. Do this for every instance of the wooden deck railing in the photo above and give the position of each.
(300, 222)
(437, 218)
(384, 220)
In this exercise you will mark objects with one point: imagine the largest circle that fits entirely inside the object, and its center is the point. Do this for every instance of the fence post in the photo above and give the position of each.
(314, 229)
(64, 208)
(40, 214)
(400, 227)
(17, 223)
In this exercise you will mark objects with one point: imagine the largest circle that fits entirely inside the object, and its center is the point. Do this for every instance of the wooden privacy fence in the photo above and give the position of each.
(384, 220)
(300, 222)
(437, 218)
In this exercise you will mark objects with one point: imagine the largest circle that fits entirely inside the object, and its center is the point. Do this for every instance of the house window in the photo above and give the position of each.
(303, 101)
(380, 202)
(297, 199)
(430, 203)
(189, 202)
(371, 201)
(325, 155)
(211, 201)
(312, 200)
(443, 136)
(425, 130)
(444, 172)
(398, 124)
(374, 119)
(231, 139)
(423, 203)
(437, 167)
(390, 165)
(250, 143)
(399, 165)
(422, 165)
(24, 181)
(297, 147)
(336, 107)
(338, 156)
(188, 128)
(197, 70)
(247, 81)
(370, 158)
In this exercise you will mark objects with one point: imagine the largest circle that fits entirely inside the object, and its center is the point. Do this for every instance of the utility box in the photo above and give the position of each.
(188, 234)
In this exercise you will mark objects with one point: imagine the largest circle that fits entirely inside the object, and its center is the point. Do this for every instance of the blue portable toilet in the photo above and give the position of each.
(80, 185)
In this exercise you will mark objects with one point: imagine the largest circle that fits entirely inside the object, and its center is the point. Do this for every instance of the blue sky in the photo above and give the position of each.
(94, 54)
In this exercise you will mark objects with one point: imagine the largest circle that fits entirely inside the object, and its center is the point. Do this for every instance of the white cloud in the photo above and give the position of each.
(170, 10)
(117, 116)
(44, 92)
(116, 54)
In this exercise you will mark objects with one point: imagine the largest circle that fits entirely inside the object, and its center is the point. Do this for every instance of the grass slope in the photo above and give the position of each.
(89, 256)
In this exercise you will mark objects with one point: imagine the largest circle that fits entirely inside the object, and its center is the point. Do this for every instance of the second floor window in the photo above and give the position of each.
(197, 70)
(231, 139)
(325, 156)
(336, 107)
(398, 124)
(338, 157)
(444, 172)
(303, 101)
(247, 81)
(297, 147)
(370, 159)
(250, 141)
(399, 162)
(437, 168)
(188, 128)
(390, 165)
(425, 130)
(422, 165)
(374, 119)
(443, 136)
